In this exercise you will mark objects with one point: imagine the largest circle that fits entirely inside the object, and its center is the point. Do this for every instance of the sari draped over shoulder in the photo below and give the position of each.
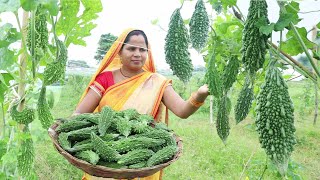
(142, 92)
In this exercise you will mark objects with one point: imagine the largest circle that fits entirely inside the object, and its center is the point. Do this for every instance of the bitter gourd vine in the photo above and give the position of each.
(275, 119)
(199, 26)
(176, 48)
(254, 42)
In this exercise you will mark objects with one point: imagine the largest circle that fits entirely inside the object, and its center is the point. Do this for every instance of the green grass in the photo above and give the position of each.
(204, 155)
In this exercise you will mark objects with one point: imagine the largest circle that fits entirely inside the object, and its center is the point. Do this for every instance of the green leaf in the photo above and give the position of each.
(316, 55)
(51, 5)
(80, 32)
(228, 3)
(2, 79)
(318, 25)
(9, 5)
(267, 29)
(8, 35)
(263, 26)
(155, 21)
(10, 157)
(292, 45)
(284, 21)
(77, 27)
(3, 89)
(3, 146)
(223, 27)
(293, 8)
(6, 58)
(6, 77)
(216, 5)
(68, 18)
(29, 5)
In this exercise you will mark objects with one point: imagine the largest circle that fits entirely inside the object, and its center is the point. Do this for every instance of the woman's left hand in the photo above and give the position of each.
(203, 90)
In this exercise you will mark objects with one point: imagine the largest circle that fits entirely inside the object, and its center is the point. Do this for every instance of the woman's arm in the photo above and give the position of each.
(180, 107)
(89, 103)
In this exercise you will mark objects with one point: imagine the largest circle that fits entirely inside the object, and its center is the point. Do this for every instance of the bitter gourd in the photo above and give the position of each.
(26, 116)
(254, 43)
(244, 100)
(44, 113)
(105, 119)
(199, 26)
(63, 140)
(176, 48)
(55, 70)
(72, 124)
(89, 156)
(105, 151)
(123, 126)
(26, 154)
(135, 156)
(127, 144)
(222, 124)
(83, 133)
(275, 119)
(230, 73)
(41, 35)
(212, 77)
(162, 155)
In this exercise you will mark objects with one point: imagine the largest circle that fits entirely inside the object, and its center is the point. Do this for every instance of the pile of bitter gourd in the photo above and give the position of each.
(117, 139)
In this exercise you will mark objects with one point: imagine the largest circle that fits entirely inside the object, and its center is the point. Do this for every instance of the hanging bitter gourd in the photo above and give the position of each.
(25, 157)
(222, 124)
(230, 73)
(275, 119)
(43, 109)
(176, 48)
(56, 69)
(199, 26)
(244, 100)
(41, 33)
(26, 116)
(212, 78)
(254, 43)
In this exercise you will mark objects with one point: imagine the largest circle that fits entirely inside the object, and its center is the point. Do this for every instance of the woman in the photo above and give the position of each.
(126, 79)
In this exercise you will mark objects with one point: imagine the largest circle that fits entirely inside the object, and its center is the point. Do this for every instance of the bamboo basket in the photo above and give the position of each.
(105, 172)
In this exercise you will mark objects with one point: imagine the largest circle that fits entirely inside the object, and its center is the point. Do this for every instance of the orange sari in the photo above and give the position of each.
(142, 92)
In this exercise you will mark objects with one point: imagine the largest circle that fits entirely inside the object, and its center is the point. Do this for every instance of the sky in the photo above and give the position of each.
(118, 15)
(137, 14)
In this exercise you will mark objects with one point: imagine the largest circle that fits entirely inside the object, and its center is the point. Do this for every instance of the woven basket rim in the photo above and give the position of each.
(107, 172)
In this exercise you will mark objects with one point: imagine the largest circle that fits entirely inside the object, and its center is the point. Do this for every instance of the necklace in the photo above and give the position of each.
(124, 75)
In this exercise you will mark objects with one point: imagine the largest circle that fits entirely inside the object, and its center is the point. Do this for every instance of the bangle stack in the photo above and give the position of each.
(194, 102)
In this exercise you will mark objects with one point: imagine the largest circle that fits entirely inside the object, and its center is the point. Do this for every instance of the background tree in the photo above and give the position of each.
(105, 43)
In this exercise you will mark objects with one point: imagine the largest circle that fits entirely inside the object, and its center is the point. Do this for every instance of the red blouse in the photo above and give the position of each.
(102, 82)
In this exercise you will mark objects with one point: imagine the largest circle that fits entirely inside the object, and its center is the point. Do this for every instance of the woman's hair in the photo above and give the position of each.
(135, 33)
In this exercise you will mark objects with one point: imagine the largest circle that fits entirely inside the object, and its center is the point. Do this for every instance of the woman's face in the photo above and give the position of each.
(134, 53)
